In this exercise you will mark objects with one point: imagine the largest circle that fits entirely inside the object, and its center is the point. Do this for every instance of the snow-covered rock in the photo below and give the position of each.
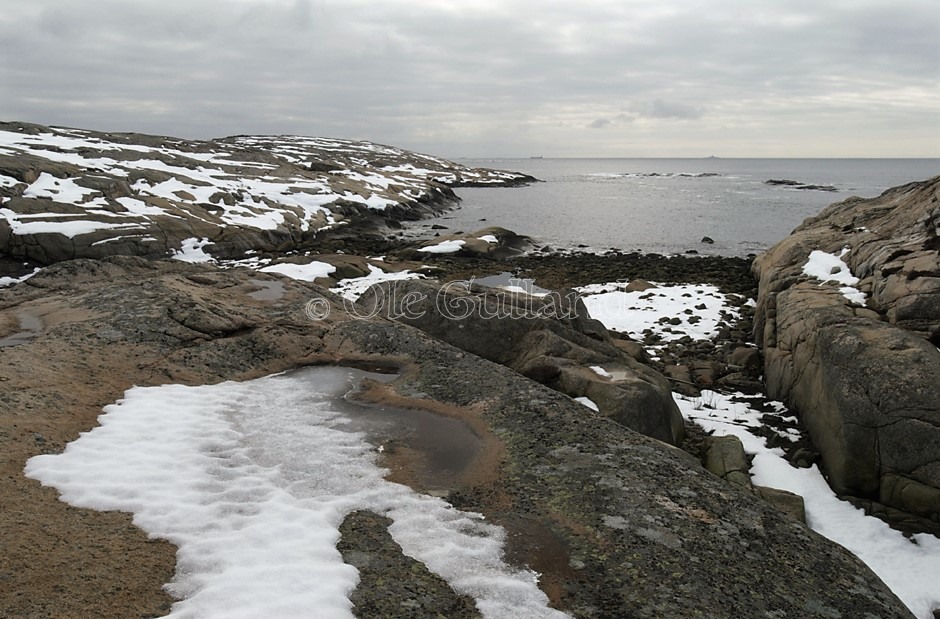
(70, 193)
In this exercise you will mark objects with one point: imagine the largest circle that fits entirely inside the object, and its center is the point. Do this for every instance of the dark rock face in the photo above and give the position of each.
(551, 339)
(799, 185)
(866, 380)
(382, 593)
(68, 193)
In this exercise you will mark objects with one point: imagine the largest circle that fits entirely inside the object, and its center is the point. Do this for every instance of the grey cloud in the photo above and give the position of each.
(673, 109)
(618, 119)
(478, 77)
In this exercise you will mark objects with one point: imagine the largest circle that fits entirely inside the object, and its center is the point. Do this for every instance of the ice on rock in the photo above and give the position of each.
(252, 480)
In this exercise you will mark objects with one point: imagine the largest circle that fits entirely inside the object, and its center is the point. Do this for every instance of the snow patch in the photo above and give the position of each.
(9, 281)
(444, 247)
(70, 229)
(908, 567)
(139, 207)
(63, 190)
(831, 268)
(251, 482)
(8, 181)
(304, 272)
(634, 312)
(353, 288)
(191, 251)
(586, 401)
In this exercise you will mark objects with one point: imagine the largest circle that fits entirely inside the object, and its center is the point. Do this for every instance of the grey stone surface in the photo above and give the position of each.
(618, 524)
(725, 457)
(867, 389)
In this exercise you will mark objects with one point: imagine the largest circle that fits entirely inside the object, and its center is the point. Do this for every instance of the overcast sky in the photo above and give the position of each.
(477, 78)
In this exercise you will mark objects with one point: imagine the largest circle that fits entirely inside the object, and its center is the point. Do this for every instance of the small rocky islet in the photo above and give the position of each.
(629, 511)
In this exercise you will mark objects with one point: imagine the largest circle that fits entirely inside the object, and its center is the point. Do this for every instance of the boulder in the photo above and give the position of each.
(681, 381)
(638, 285)
(634, 349)
(866, 388)
(787, 502)
(746, 358)
(725, 457)
(551, 339)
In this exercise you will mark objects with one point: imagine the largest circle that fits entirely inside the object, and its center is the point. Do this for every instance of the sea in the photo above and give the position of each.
(669, 205)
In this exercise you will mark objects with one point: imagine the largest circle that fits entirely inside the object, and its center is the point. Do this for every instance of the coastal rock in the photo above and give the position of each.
(615, 523)
(865, 380)
(787, 502)
(799, 185)
(70, 193)
(552, 339)
(638, 285)
(746, 358)
(382, 593)
(492, 242)
(725, 457)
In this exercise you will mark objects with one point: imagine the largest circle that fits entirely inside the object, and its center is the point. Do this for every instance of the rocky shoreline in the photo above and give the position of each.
(627, 510)
(70, 193)
(564, 473)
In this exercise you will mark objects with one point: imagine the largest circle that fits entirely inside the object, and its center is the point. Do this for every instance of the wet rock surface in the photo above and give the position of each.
(778, 182)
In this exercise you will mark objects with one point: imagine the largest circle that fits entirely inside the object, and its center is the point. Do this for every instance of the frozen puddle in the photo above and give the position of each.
(251, 482)
(30, 327)
(267, 290)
